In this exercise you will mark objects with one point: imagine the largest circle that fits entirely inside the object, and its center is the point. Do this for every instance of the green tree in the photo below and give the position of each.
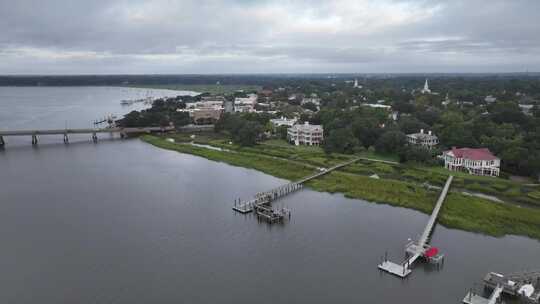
(391, 142)
(340, 141)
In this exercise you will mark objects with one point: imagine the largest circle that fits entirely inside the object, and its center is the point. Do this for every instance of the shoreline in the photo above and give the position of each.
(462, 212)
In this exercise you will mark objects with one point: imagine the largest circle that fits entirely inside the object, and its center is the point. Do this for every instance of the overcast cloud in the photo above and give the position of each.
(268, 36)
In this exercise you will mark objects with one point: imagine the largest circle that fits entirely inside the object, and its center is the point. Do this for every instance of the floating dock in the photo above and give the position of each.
(421, 247)
(262, 201)
(523, 285)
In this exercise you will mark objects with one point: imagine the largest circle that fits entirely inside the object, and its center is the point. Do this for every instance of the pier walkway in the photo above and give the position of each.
(124, 132)
(265, 198)
(421, 247)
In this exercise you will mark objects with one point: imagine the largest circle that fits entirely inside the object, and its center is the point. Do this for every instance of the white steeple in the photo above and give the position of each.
(426, 89)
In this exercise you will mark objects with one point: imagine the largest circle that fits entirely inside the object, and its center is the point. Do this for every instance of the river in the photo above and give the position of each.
(121, 221)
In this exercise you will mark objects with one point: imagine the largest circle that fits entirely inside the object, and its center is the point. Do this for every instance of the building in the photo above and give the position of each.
(377, 106)
(228, 106)
(314, 100)
(245, 104)
(427, 140)
(474, 161)
(306, 134)
(205, 116)
(426, 89)
(490, 99)
(283, 121)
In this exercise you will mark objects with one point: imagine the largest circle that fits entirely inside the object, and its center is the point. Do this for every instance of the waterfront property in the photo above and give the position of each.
(420, 248)
(522, 285)
(305, 134)
(427, 140)
(261, 202)
(474, 161)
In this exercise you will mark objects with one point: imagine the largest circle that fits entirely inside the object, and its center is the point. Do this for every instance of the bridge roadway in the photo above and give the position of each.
(418, 248)
(122, 131)
(273, 194)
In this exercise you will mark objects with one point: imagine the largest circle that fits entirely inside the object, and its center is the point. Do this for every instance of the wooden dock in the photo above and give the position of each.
(421, 247)
(514, 285)
(266, 198)
(472, 298)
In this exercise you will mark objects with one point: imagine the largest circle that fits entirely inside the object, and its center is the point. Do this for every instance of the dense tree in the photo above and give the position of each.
(340, 141)
(415, 154)
(390, 142)
(366, 130)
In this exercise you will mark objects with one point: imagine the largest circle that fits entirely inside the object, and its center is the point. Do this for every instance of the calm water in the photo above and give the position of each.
(124, 222)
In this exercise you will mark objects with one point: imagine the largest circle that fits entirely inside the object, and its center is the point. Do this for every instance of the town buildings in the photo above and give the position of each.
(474, 161)
(305, 134)
(427, 140)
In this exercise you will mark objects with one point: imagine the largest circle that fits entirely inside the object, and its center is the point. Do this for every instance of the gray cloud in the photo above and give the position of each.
(212, 36)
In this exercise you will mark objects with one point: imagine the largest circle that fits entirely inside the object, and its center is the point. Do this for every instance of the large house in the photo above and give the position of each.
(427, 140)
(283, 121)
(474, 161)
(245, 104)
(306, 134)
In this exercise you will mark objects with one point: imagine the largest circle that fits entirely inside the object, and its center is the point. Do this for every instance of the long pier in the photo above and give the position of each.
(421, 247)
(124, 132)
(265, 198)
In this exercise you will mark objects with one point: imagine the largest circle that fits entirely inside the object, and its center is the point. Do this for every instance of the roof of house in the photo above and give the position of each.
(474, 154)
(307, 128)
(423, 136)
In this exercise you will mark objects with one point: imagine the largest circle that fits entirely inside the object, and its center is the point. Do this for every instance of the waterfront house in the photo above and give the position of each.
(427, 140)
(305, 134)
(474, 161)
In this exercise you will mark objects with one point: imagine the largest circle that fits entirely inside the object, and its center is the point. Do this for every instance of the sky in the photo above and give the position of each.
(268, 36)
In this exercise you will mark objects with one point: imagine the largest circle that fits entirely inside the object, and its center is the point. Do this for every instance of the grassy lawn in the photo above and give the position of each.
(202, 88)
(399, 185)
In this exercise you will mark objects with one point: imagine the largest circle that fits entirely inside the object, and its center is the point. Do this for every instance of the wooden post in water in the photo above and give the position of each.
(2, 142)
(34, 140)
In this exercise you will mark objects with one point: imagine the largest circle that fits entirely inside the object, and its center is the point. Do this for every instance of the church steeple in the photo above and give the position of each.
(426, 89)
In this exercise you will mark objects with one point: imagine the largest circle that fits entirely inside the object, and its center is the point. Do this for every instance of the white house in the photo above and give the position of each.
(474, 161)
(427, 140)
(283, 121)
(306, 134)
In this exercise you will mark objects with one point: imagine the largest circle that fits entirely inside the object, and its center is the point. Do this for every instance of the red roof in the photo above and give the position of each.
(431, 252)
(474, 154)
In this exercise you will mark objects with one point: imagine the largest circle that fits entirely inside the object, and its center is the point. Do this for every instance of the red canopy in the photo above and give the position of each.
(431, 252)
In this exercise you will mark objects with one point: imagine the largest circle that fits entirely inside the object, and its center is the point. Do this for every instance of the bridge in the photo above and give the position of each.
(421, 247)
(265, 198)
(124, 132)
